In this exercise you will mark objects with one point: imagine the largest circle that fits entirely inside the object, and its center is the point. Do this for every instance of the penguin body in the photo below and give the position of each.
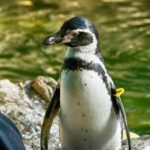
(90, 118)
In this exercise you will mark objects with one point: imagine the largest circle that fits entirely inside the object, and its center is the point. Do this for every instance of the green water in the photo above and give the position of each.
(124, 27)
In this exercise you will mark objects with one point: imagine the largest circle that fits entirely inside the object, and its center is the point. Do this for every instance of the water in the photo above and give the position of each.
(124, 27)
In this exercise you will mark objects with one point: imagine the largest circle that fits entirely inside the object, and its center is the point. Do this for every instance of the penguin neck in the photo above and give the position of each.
(77, 61)
(80, 52)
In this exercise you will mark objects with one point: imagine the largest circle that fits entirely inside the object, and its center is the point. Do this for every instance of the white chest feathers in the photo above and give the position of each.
(87, 117)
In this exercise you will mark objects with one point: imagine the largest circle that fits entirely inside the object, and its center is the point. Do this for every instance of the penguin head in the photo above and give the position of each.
(76, 32)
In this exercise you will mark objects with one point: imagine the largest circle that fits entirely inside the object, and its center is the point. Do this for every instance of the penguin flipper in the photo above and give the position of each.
(120, 107)
(50, 114)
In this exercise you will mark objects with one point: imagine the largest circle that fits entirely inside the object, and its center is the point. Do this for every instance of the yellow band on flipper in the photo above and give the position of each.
(119, 92)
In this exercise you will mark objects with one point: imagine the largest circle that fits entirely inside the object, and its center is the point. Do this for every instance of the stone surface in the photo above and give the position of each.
(44, 86)
(141, 143)
(22, 104)
(25, 104)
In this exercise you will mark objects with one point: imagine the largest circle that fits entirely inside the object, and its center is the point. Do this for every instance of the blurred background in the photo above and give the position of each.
(124, 27)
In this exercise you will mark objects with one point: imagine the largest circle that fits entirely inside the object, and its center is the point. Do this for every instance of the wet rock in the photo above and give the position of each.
(25, 104)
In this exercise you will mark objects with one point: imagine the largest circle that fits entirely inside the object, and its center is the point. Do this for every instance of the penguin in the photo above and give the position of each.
(91, 116)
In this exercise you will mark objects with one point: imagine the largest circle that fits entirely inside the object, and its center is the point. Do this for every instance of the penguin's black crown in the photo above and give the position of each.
(80, 23)
(75, 32)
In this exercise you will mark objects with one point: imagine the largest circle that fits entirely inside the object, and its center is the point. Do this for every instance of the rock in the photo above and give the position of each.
(132, 135)
(21, 103)
(141, 143)
(44, 86)
(25, 104)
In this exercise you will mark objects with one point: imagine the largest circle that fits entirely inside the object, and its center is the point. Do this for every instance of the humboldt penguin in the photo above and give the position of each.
(91, 115)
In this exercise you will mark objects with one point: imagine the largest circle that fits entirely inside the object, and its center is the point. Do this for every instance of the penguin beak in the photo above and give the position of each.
(53, 39)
